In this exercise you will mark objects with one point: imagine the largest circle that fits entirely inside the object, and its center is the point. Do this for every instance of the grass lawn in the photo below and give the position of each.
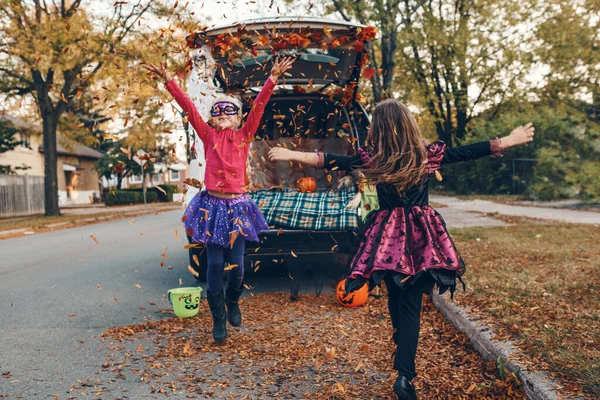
(539, 284)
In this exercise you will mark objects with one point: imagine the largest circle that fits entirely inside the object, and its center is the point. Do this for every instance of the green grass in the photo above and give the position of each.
(540, 284)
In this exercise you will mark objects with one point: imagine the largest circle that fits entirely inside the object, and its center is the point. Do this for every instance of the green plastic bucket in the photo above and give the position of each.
(185, 301)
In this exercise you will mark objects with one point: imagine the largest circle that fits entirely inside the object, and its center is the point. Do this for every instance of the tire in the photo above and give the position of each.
(200, 255)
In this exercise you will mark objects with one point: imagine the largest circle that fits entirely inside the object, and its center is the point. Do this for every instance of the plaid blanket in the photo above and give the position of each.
(314, 211)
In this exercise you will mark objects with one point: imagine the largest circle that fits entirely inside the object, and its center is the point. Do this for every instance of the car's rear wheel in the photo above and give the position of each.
(198, 260)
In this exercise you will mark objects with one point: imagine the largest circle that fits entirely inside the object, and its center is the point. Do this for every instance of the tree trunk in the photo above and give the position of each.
(49, 122)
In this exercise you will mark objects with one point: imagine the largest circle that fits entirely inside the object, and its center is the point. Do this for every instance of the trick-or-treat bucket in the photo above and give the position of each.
(185, 301)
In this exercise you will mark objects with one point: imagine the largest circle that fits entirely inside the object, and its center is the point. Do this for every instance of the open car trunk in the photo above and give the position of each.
(327, 52)
(305, 123)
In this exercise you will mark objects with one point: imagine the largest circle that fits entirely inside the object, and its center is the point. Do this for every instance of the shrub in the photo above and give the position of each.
(168, 195)
(119, 197)
(560, 163)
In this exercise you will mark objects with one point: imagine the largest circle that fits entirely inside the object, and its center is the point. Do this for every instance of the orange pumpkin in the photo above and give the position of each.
(306, 184)
(354, 299)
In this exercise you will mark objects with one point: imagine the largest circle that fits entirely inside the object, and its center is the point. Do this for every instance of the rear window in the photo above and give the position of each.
(304, 118)
(301, 124)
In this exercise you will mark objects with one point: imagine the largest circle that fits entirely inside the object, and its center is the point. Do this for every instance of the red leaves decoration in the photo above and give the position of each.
(233, 44)
(368, 73)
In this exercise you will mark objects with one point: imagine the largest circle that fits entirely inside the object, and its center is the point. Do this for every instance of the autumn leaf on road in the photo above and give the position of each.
(94, 239)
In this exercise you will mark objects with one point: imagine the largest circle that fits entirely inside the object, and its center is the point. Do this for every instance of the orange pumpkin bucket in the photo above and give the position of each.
(358, 298)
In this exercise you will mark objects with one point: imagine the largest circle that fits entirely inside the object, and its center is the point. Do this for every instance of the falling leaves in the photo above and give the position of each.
(368, 73)
(94, 239)
(137, 286)
(192, 271)
(229, 267)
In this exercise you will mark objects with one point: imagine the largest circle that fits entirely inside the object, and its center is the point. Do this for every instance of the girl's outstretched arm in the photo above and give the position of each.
(519, 136)
(317, 159)
(180, 97)
(283, 154)
(258, 108)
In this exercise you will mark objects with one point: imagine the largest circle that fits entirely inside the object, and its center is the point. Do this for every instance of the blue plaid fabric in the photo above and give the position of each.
(312, 211)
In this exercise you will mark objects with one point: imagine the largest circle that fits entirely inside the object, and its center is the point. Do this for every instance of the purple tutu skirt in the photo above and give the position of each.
(212, 220)
(408, 241)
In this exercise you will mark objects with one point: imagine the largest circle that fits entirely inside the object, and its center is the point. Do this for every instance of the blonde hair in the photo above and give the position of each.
(223, 97)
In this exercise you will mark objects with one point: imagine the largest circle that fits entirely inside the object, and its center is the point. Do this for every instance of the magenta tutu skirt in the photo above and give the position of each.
(408, 242)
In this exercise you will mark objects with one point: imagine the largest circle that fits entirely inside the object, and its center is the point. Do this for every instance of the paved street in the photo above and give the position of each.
(59, 291)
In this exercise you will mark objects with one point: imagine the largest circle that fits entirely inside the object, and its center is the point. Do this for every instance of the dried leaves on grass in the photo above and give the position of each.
(537, 285)
(312, 348)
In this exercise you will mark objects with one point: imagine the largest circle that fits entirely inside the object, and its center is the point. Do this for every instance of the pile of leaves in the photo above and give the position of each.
(537, 285)
(312, 348)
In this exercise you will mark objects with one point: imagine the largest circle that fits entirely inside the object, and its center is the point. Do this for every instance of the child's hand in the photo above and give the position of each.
(520, 135)
(161, 71)
(280, 66)
(280, 154)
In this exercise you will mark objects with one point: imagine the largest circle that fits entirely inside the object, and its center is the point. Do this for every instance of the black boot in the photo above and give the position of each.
(404, 389)
(216, 302)
(232, 296)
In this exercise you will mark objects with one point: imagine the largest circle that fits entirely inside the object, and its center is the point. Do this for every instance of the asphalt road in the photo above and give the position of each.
(60, 291)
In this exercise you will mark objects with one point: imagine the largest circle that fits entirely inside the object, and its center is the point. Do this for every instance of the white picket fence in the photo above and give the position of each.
(21, 195)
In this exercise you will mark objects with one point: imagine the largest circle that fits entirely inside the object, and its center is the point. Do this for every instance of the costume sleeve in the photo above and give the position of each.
(258, 109)
(472, 151)
(339, 162)
(438, 153)
(189, 109)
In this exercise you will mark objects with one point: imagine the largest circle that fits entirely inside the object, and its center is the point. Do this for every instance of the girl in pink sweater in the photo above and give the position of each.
(223, 216)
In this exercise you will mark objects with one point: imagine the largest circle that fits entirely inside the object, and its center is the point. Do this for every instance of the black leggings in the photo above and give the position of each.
(218, 258)
(405, 310)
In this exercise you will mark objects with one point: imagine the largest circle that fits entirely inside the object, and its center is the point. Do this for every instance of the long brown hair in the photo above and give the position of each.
(398, 152)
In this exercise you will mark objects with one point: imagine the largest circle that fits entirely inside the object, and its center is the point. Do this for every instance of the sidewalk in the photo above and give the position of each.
(102, 208)
(549, 213)
(74, 216)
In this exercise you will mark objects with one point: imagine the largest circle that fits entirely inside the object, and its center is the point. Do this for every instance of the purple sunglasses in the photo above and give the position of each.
(224, 107)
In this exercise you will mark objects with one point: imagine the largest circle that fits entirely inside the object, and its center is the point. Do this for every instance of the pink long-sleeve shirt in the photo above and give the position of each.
(226, 151)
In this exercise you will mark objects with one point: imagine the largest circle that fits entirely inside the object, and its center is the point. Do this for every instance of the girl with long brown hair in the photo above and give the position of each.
(405, 242)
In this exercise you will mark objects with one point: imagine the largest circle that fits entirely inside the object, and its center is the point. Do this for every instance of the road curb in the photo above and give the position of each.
(537, 385)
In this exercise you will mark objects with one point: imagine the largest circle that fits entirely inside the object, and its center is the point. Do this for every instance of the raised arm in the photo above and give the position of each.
(258, 107)
(317, 159)
(519, 136)
(199, 125)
